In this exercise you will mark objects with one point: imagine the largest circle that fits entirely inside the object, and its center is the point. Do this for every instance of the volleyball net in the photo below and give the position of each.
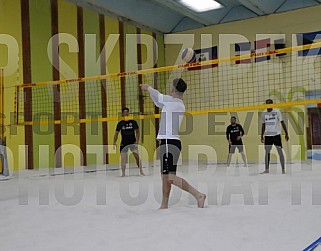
(290, 76)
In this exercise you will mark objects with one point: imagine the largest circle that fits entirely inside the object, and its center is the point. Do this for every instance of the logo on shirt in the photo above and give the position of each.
(128, 126)
(235, 130)
(270, 117)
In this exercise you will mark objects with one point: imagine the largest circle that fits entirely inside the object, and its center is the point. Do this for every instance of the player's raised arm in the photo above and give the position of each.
(154, 94)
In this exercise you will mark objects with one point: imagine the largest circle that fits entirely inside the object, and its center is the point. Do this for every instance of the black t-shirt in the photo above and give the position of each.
(127, 128)
(233, 131)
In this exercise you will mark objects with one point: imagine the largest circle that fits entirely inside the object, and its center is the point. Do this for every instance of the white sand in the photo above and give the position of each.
(244, 210)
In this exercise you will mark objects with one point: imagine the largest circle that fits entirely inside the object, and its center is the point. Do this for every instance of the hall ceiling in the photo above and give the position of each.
(168, 16)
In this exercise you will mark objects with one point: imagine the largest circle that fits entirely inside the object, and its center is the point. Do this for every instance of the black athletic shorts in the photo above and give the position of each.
(269, 141)
(169, 151)
(125, 146)
(233, 147)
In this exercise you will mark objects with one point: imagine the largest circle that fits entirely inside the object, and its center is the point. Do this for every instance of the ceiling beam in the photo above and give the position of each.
(280, 6)
(175, 6)
(226, 14)
(249, 5)
(102, 10)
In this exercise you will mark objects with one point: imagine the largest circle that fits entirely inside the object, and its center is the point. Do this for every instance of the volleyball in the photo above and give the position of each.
(188, 55)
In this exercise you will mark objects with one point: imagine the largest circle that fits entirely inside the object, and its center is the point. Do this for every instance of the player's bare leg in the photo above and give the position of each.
(167, 185)
(169, 179)
(267, 159)
(282, 160)
(123, 161)
(183, 184)
(267, 163)
(244, 158)
(229, 159)
(139, 163)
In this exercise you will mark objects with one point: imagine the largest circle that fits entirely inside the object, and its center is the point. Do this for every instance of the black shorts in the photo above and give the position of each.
(124, 148)
(269, 141)
(169, 151)
(233, 147)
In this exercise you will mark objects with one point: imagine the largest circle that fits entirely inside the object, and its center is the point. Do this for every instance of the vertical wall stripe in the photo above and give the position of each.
(56, 76)
(70, 139)
(103, 83)
(146, 61)
(92, 88)
(10, 24)
(113, 66)
(130, 48)
(82, 93)
(122, 63)
(140, 79)
(155, 86)
(160, 52)
(41, 70)
(139, 62)
(25, 23)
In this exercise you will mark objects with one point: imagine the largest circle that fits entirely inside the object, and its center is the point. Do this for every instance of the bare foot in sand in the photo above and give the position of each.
(200, 200)
(142, 173)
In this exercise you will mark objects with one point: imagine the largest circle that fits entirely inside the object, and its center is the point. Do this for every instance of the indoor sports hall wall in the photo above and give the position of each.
(29, 29)
(209, 130)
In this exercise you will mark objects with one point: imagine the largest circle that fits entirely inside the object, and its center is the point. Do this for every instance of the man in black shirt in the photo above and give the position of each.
(130, 138)
(234, 133)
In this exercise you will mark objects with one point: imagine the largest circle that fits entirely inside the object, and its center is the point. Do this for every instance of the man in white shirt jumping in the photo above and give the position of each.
(270, 134)
(173, 110)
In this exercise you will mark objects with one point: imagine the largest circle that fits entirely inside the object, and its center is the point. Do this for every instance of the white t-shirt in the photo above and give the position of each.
(272, 122)
(173, 110)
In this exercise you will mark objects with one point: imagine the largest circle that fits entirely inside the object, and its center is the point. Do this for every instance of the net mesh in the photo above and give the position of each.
(228, 84)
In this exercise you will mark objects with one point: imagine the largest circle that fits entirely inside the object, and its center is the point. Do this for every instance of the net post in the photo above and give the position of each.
(3, 154)
(2, 103)
(16, 107)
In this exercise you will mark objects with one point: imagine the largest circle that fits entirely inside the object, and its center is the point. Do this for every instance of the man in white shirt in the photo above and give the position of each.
(173, 110)
(270, 134)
